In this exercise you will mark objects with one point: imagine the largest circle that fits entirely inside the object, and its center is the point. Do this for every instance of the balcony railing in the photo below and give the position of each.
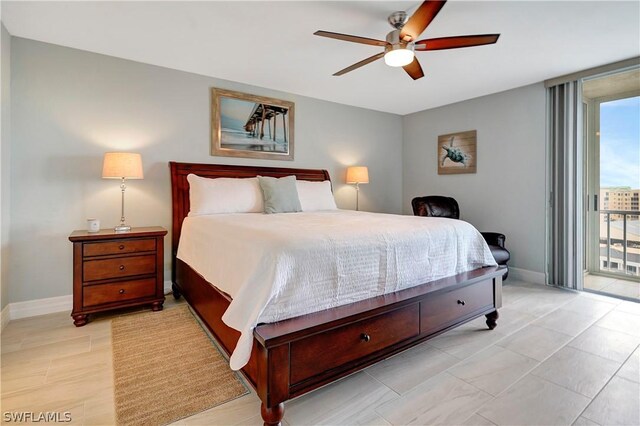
(628, 240)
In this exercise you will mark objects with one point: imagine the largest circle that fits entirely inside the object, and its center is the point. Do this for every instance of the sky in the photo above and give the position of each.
(620, 143)
(235, 112)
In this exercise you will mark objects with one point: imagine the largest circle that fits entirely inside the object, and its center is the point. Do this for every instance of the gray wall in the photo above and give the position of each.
(70, 106)
(5, 76)
(508, 192)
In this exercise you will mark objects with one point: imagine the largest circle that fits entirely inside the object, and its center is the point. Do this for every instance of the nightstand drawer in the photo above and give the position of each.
(117, 292)
(118, 247)
(94, 270)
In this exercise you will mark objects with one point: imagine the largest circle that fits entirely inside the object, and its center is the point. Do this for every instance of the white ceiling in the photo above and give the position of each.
(271, 44)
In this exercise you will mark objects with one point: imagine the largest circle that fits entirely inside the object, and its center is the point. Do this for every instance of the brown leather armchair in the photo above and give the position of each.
(439, 206)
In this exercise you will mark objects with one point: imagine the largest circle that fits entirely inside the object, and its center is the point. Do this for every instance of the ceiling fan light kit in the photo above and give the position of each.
(397, 52)
(400, 44)
(399, 57)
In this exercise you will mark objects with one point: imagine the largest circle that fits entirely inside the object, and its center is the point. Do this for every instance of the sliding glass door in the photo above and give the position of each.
(619, 186)
(613, 185)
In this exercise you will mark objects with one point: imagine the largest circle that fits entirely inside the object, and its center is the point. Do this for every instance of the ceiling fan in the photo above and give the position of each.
(401, 43)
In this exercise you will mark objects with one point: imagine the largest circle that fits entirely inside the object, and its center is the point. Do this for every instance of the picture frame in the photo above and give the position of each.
(250, 126)
(457, 153)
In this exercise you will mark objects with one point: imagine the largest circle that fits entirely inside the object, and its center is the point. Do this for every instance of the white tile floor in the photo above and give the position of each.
(557, 357)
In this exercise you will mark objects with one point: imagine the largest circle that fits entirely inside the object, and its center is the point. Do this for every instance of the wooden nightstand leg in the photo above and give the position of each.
(156, 306)
(79, 320)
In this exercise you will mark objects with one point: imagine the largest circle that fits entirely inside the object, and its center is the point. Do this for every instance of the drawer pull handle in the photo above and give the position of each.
(461, 302)
(365, 337)
(121, 247)
(121, 291)
(121, 267)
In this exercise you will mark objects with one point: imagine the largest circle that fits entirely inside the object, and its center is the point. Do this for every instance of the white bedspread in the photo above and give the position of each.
(281, 266)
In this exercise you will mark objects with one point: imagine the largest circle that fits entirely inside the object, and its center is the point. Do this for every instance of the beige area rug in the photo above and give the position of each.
(166, 368)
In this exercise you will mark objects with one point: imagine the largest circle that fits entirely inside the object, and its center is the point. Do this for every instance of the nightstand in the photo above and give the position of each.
(114, 270)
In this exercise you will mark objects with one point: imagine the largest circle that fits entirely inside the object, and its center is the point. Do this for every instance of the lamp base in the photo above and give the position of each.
(122, 228)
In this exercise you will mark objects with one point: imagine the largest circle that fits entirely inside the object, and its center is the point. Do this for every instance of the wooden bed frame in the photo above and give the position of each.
(292, 357)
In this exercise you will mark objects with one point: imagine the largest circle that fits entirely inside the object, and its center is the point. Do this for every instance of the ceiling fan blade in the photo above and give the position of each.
(361, 63)
(351, 38)
(414, 69)
(456, 42)
(421, 19)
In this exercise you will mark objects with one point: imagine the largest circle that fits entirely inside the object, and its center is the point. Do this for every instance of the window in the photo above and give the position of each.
(632, 269)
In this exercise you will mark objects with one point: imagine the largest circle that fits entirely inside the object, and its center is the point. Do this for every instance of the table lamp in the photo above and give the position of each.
(357, 175)
(122, 165)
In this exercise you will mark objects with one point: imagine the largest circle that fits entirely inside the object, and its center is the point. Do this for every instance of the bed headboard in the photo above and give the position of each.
(180, 187)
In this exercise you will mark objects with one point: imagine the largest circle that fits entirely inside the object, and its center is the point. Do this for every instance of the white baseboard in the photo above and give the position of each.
(527, 276)
(32, 308)
(5, 317)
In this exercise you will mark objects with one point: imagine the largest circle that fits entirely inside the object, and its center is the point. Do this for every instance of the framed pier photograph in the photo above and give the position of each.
(249, 126)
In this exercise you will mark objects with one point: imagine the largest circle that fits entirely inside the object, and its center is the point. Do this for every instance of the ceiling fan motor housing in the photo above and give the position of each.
(395, 42)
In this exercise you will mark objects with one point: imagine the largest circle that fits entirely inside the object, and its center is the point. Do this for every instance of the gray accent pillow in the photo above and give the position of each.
(280, 195)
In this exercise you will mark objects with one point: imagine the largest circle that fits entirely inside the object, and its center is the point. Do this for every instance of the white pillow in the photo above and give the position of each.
(315, 195)
(224, 195)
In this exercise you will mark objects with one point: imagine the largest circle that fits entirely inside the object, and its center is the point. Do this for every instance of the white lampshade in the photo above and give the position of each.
(357, 174)
(122, 165)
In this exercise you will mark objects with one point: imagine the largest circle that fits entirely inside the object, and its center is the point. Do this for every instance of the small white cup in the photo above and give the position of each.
(93, 225)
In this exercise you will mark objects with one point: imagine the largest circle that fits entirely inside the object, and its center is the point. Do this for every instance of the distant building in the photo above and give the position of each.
(620, 198)
(612, 254)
